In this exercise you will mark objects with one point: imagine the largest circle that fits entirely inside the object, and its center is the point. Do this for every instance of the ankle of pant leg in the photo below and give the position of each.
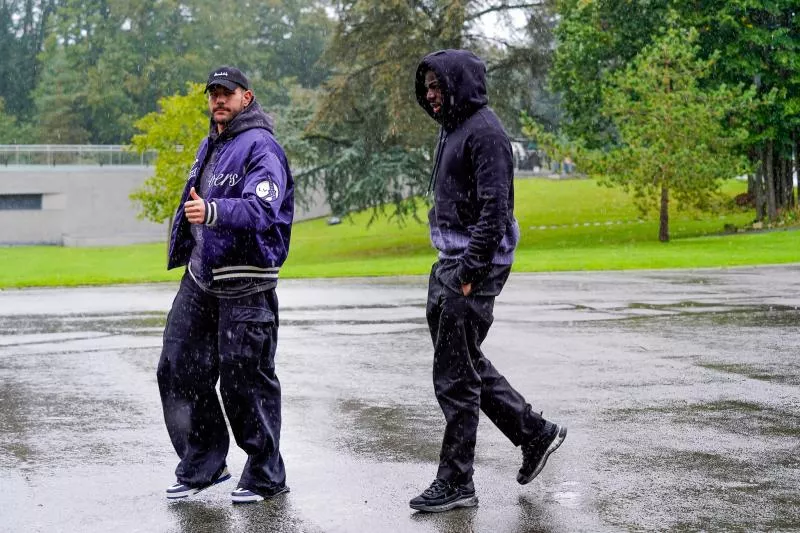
(547, 431)
(460, 481)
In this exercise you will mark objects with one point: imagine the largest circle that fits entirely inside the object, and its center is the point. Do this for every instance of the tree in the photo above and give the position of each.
(59, 100)
(374, 142)
(174, 132)
(12, 132)
(119, 58)
(757, 43)
(674, 138)
(23, 26)
(595, 38)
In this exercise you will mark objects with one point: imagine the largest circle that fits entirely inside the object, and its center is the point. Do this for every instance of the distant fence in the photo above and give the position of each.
(73, 154)
(525, 159)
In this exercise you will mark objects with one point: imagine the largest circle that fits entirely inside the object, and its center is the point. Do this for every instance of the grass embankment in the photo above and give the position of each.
(566, 225)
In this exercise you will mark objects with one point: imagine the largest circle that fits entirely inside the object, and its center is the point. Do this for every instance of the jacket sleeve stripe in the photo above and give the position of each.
(211, 213)
(244, 268)
(273, 275)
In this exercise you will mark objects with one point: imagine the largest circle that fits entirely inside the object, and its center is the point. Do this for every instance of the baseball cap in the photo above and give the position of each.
(229, 77)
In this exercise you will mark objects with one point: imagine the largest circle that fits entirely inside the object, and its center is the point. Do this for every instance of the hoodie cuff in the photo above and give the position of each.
(465, 275)
(211, 213)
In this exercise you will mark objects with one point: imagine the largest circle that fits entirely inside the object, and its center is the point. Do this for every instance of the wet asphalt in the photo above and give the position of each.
(680, 390)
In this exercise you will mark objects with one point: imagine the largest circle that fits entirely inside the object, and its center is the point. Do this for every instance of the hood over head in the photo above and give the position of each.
(462, 79)
(252, 116)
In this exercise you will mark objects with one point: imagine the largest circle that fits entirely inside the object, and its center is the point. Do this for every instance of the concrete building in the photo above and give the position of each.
(80, 196)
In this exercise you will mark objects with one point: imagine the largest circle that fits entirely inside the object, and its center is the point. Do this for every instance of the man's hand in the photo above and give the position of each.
(466, 289)
(195, 208)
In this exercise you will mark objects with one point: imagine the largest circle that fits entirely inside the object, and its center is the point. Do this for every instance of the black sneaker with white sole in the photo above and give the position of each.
(180, 490)
(243, 495)
(443, 496)
(535, 454)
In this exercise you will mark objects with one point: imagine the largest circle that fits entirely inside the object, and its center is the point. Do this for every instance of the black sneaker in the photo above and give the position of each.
(535, 454)
(243, 495)
(443, 496)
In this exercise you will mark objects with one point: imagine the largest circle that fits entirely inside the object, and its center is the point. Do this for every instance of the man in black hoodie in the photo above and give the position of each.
(472, 225)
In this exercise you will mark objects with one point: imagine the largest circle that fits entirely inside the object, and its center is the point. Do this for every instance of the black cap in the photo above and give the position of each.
(229, 77)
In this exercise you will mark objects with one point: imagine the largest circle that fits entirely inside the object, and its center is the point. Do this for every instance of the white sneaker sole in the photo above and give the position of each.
(250, 498)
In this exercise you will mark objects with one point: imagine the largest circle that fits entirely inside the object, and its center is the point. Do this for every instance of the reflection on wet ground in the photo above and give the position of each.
(388, 433)
(679, 388)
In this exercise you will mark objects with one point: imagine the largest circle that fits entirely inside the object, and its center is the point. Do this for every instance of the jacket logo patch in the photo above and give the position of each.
(267, 190)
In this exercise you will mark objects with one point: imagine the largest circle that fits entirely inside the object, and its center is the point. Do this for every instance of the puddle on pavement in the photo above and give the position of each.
(760, 372)
(274, 516)
(39, 424)
(686, 304)
(346, 328)
(134, 323)
(749, 482)
(656, 489)
(567, 494)
(333, 308)
(688, 280)
(755, 342)
(729, 416)
(388, 433)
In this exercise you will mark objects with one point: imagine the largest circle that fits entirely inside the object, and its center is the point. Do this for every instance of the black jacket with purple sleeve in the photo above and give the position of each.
(472, 221)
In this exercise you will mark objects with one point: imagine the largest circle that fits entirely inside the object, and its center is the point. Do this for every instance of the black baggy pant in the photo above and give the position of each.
(465, 381)
(232, 340)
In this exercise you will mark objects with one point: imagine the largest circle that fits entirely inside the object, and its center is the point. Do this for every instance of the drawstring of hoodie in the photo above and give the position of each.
(439, 148)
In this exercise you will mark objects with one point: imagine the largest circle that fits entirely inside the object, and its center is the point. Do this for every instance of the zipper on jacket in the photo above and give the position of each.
(439, 149)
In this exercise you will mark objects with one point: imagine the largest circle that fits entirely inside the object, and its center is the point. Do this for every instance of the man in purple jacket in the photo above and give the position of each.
(231, 231)
(472, 225)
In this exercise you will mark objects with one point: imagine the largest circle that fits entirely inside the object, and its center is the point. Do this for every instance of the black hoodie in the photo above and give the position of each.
(472, 221)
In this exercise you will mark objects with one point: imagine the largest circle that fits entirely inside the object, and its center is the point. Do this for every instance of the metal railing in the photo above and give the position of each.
(73, 154)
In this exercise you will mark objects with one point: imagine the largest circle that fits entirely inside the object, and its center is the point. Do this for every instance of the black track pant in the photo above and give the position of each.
(466, 382)
(231, 340)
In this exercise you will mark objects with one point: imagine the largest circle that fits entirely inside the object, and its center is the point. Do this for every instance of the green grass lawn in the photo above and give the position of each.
(586, 227)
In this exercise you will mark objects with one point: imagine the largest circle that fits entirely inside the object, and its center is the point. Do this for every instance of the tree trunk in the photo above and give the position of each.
(758, 188)
(788, 190)
(777, 169)
(796, 200)
(785, 189)
(794, 169)
(663, 222)
(769, 178)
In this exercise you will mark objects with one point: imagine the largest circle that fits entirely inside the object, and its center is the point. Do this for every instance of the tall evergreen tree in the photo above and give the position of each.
(130, 54)
(23, 26)
(374, 142)
(758, 43)
(671, 138)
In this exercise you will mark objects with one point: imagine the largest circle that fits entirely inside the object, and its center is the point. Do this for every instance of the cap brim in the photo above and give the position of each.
(228, 84)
